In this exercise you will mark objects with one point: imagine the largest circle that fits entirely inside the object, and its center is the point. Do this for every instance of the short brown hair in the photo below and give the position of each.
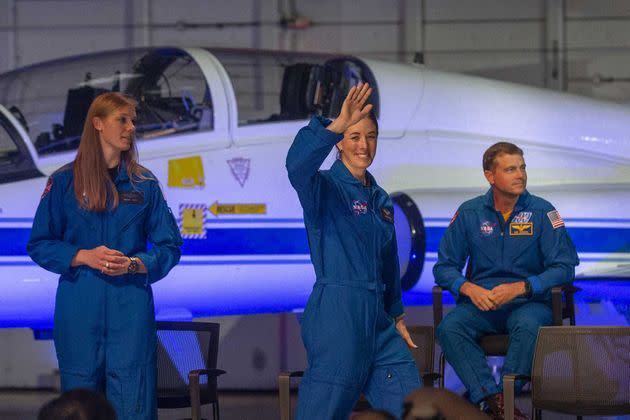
(490, 155)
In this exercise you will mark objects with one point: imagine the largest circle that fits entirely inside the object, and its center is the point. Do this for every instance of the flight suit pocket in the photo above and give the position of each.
(79, 217)
(310, 313)
(128, 389)
(131, 214)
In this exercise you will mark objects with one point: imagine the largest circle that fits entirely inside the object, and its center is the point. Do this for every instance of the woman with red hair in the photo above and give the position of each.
(92, 226)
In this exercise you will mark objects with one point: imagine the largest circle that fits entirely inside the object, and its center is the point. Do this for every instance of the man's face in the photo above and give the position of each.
(508, 176)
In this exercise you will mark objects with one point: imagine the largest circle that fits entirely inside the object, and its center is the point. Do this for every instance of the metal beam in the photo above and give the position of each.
(555, 51)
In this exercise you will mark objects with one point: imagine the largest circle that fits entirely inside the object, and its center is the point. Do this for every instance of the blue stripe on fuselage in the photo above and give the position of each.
(586, 239)
(293, 241)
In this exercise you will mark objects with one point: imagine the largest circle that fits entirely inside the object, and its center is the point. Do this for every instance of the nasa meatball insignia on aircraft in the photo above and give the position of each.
(215, 125)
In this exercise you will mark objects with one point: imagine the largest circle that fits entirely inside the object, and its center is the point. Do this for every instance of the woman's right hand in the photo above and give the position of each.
(353, 108)
(100, 258)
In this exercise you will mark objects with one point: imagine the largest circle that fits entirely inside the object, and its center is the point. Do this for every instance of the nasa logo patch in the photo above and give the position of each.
(487, 228)
(359, 207)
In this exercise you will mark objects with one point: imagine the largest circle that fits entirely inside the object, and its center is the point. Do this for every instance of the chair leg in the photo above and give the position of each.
(284, 396)
(509, 396)
(216, 408)
(537, 414)
(442, 369)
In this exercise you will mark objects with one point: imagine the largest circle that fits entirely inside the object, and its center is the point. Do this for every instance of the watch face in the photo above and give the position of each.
(133, 266)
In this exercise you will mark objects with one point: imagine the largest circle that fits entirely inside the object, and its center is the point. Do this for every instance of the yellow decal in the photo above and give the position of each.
(193, 217)
(251, 208)
(186, 172)
(521, 229)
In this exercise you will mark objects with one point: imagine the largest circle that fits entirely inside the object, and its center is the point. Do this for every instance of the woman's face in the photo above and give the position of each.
(358, 146)
(116, 131)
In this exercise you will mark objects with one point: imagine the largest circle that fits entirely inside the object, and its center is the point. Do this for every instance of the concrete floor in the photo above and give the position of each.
(24, 405)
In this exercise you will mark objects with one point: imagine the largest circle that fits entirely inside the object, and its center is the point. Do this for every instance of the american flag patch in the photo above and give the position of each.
(555, 219)
(453, 219)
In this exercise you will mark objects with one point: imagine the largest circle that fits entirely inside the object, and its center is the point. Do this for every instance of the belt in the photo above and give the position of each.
(372, 285)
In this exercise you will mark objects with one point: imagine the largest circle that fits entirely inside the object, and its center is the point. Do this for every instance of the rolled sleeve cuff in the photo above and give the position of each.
(319, 124)
(457, 284)
(151, 265)
(396, 309)
(536, 285)
(66, 254)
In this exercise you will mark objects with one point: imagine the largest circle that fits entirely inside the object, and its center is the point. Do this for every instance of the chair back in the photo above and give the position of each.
(582, 370)
(183, 347)
(424, 338)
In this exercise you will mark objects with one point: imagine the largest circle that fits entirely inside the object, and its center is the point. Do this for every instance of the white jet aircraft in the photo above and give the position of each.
(215, 126)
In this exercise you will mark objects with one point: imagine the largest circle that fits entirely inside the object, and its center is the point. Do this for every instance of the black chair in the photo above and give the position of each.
(423, 336)
(187, 360)
(497, 344)
(581, 371)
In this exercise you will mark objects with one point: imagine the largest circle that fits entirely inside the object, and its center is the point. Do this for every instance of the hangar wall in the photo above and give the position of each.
(505, 39)
(581, 46)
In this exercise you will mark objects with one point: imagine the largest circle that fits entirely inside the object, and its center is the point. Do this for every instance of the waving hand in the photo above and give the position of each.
(353, 108)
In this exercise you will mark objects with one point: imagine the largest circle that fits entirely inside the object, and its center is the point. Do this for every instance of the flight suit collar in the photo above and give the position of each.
(340, 171)
(122, 173)
(521, 203)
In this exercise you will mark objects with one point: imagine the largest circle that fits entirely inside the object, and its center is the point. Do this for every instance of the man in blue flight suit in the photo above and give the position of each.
(518, 249)
(104, 317)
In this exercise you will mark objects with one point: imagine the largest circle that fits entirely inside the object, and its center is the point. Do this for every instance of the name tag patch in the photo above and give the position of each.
(521, 229)
(387, 214)
(131, 197)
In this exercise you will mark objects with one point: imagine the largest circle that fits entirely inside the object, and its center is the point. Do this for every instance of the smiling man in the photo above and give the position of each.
(517, 250)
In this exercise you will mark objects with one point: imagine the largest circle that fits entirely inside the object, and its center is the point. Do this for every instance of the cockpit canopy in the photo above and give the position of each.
(51, 99)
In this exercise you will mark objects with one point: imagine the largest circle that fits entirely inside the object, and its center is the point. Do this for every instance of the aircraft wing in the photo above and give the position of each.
(617, 271)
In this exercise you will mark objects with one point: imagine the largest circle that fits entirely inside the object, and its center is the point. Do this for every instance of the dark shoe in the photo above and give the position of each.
(496, 408)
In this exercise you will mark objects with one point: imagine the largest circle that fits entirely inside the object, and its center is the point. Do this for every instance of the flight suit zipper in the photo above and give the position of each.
(502, 224)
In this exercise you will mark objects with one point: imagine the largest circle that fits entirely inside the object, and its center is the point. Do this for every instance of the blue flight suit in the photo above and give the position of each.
(348, 326)
(526, 247)
(104, 329)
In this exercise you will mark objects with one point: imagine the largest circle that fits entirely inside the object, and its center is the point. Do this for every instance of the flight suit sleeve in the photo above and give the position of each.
(559, 255)
(452, 255)
(391, 278)
(164, 236)
(311, 146)
(46, 245)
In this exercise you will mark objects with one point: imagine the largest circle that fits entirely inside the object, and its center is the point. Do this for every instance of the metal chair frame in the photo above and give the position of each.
(497, 344)
(510, 379)
(194, 398)
(424, 362)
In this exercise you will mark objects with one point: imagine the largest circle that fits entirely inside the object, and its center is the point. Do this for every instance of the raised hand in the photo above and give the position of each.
(353, 108)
